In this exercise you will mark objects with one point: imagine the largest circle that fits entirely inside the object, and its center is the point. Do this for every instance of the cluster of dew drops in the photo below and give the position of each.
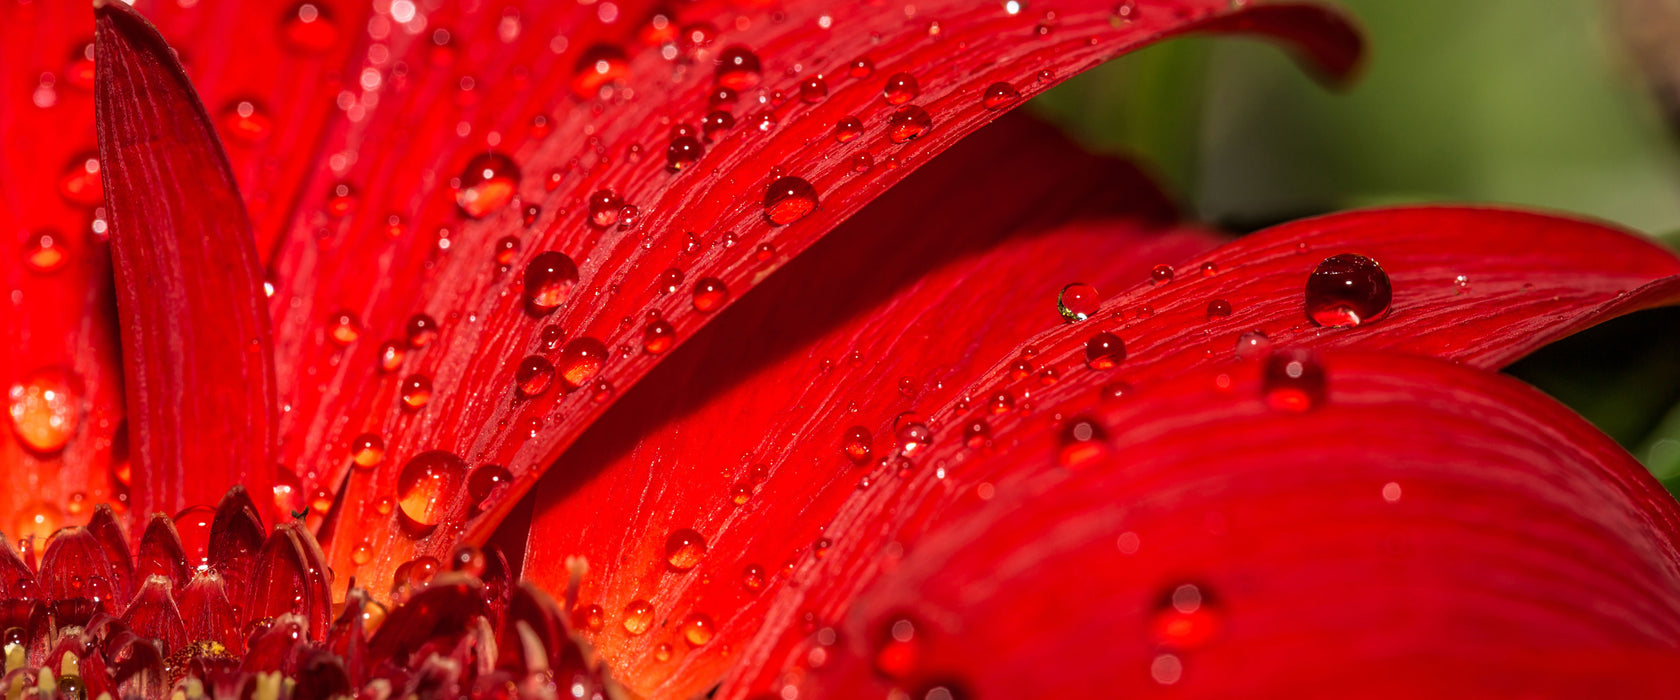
(45, 406)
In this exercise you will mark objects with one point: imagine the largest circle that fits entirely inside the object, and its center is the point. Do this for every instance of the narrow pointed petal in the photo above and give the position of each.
(160, 553)
(236, 537)
(1425, 527)
(741, 453)
(209, 613)
(442, 610)
(196, 341)
(153, 615)
(104, 527)
(289, 577)
(76, 576)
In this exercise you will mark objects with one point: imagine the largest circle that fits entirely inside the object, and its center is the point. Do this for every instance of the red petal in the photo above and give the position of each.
(161, 553)
(104, 527)
(76, 576)
(209, 612)
(742, 443)
(1426, 529)
(290, 577)
(196, 345)
(341, 262)
(153, 615)
(236, 537)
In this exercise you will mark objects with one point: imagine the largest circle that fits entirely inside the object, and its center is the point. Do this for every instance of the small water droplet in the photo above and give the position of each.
(662, 652)
(900, 88)
(856, 443)
(813, 90)
(1217, 309)
(1293, 381)
(416, 391)
(549, 279)
(426, 486)
(684, 548)
(1077, 302)
(1082, 440)
(367, 450)
(752, 578)
(391, 356)
(533, 376)
(897, 648)
(861, 68)
(669, 281)
(604, 206)
(45, 409)
(1210, 269)
(847, 128)
(343, 328)
(638, 617)
(738, 68)
(488, 182)
(1001, 403)
(485, 480)
(580, 361)
(1346, 290)
(698, 629)
(913, 434)
(976, 433)
(658, 337)
(46, 252)
(709, 294)
(81, 184)
(589, 617)
(245, 121)
(1253, 344)
(1161, 274)
(908, 123)
(421, 330)
(683, 152)
(999, 95)
(789, 199)
(1104, 351)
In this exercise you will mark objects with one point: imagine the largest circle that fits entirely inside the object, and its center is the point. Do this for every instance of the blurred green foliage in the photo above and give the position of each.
(1528, 102)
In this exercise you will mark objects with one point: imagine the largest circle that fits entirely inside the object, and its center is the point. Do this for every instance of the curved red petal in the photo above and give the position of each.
(1425, 528)
(153, 615)
(161, 553)
(742, 448)
(196, 345)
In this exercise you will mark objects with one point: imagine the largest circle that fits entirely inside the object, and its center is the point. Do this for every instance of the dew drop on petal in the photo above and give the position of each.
(416, 391)
(1077, 302)
(658, 337)
(1185, 617)
(1346, 290)
(45, 409)
(597, 67)
(488, 182)
(1161, 274)
(898, 648)
(45, 252)
(1104, 351)
(861, 68)
(1293, 381)
(901, 88)
(549, 279)
(698, 628)
(908, 123)
(638, 617)
(999, 95)
(856, 443)
(244, 121)
(847, 128)
(193, 525)
(709, 294)
(1082, 440)
(662, 652)
(533, 376)
(79, 70)
(752, 578)
(484, 480)
(580, 361)
(1217, 309)
(683, 152)
(738, 68)
(669, 281)
(428, 483)
(81, 184)
(684, 549)
(308, 27)
(391, 356)
(813, 90)
(913, 434)
(421, 330)
(1253, 344)
(589, 617)
(715, 122)
(604, 207)
(367, 450)
(789, 199)
(343, 328)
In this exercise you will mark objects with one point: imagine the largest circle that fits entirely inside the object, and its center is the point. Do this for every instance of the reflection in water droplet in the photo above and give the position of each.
(861, 68)
(343, 328)
(1104, 351)
(549, 279)
(486, 480)
(709, 294)
(533, 376)
(1077, 302)
(81, 185)
(580, 361)
(1217, 309)
(1346, 290)
(1186, 616)
(847, 128)
(45, 252)
(604, 207)
(1293, 380)
(901, 88)
(426, 486)
(244, 121)
(367, 450)
(738, 68)
(897, 648)
(999, 95)
(421, 330)
(416, 391)
(45, 408)
(597, 67)
(752, 578)
(658, 337)
(589, 617)
(683, 152)
(789, 199)
(488, 182)
(908, 123)
(1161, 274)
(813, 90)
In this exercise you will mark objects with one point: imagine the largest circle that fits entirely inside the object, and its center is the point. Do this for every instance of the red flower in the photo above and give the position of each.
(926, 457)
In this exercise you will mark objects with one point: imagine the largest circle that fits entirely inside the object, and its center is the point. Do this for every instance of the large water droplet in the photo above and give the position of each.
(1077, 302)
(1104, 351)
(426, 486)
(45, 409)
(658, 337)
(604, 206)
(1293, 380)
(908, 123)
(901, 88)
(580, 361)
(684, 549)
(738, 68)
(789, 199)
(488, 183)
(1347, 290)
(549, 279)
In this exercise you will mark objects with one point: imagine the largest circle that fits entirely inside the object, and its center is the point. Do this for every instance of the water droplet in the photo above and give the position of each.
(343, 328)
(45, 252)
(1461, 284)
(1293, 380)
(485, 480)
(1209, 269)
(684, 549)
(597, 67)
(683, 152)
(1104, 351)
(1082, 439)
(669, 281)
(421, 330)
(658, 337)
(715, 122)
(245, 121)
(897, 648)
(638, 617)
(999, 95)
(367, 450)
(81, 185)
(549, 279)
(901, 88)
(79, 70)
(698, 628)
(861, 68)
(533, 376)
(1217, 309)
(847, 128)
(752, 578)
(1186, 616)
(581, 360)
(45, 409)
(1346, 290)
(391, 356)
(308, 27)
(662, 652)
(813, 90)
(709, 294)
(738, 68)
(589, 617)
(426, 486)
(1000, 403)
(789, 199)
(913, 434)
(1161, 274)
(488, 183)
(1253, 344)
(340, 198)
(1077, 302)
(416, 391)
(862, 162)
(976, 433)
(855, 444)
(908, 123)
(604, 206)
